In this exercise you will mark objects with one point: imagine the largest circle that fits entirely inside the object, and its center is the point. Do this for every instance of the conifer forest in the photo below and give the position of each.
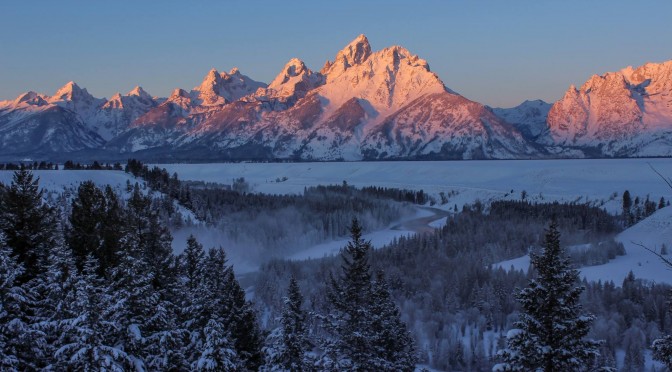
(90, 280)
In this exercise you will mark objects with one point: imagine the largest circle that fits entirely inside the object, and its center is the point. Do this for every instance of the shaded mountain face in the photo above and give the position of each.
(363, 104)
(529, 118)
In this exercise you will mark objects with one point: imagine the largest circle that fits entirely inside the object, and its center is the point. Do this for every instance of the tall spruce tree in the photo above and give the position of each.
(87, 219)
(146, 285)
(14, 329)
(91, 342)
(27, 223)
(393, 343)
(241, 321)
(56, 291)
(219, 298)
(363, 317)
(288, 344)
(350, 296)
(550, 335)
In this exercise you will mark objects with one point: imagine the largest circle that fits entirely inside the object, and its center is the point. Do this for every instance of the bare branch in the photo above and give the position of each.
(668, 181)
(666, 261)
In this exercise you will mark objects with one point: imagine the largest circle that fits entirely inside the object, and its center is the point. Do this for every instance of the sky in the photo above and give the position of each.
(499, 53)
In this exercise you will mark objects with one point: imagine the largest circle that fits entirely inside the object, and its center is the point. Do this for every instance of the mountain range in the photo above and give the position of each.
(363, 105)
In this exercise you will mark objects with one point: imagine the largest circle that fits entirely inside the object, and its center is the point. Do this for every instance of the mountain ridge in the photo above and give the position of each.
(362, 105)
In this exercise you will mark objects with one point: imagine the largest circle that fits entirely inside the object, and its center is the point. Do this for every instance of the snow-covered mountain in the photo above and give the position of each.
(624, 113)
(70, 120)
(364, 104)
(529, 117)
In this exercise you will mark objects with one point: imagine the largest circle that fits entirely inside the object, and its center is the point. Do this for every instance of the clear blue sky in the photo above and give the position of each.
(495, 52)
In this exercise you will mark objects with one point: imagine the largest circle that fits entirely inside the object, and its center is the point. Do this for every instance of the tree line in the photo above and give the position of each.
(97, 287)
(460, 307)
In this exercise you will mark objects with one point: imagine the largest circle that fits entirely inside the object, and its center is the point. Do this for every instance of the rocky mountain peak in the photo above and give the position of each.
(139, 92)
(71, 92)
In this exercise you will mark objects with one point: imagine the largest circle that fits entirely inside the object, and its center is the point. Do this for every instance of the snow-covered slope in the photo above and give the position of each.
(652, 233)
(365, 104)
(38, 124)
(624, 113)
(580, 180)
(70, 120)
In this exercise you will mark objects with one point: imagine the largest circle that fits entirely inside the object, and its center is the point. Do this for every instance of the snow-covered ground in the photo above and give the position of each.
(377, 238)
(52, 180)
(652, 233)
(543, 180)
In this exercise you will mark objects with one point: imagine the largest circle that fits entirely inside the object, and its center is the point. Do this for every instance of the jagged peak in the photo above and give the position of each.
(210, 81)
(234, 71)
(139, 92)
(295, 67)
(23, 97)
(356, 52)
(325, 67)
(31, 98)
(68, 89)
(179, 93)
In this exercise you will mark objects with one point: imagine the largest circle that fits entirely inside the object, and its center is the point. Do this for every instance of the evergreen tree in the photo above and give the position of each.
(90, 346)
(550, 335)
(146, 291)
(57, 293)
(661, 203)
(368, 334)
(662, 350)
(112, 230)
(193, 264)
(27, 223)
(87, 219)
(393, 344)
(350, 297)
(218, 352)
(242, 323)
(220, 298)
(12, 311)
(627, 208)
(289, 342)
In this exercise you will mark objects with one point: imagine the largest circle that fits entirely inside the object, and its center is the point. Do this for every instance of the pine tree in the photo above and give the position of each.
(242, 323)
(146, 293)
(220, 298)
(350, 297)
(57, 293)
(218, 352)
(27, 223)
(12, 299)
(365, 323)
(21, 339)
(87, 219)
(90, 346)
(193, 264)
(550, 335)
(287, 345)
(393, 344)
(662, 350)
(627, 208)
(113, 229)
